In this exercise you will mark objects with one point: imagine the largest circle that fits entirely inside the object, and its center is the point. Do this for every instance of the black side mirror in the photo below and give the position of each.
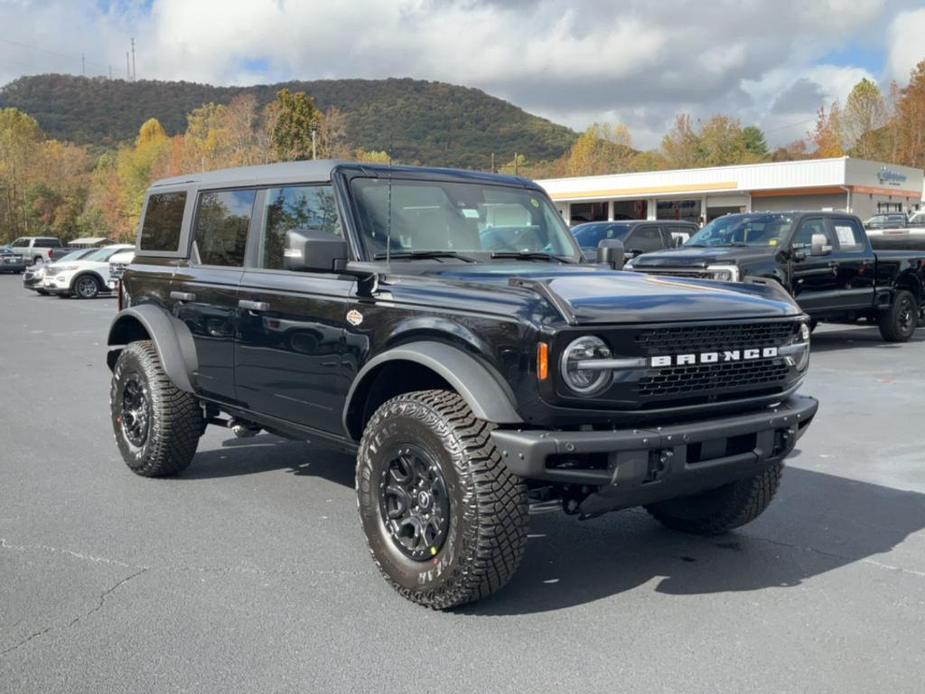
(611, 252)
(314, 250)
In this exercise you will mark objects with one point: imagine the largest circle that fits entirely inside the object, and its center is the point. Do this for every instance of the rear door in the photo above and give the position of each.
(292, 332)
(855, 264)
(204, 290)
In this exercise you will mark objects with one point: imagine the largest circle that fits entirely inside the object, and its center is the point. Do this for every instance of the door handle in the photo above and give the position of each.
(183, 296)
(253, 305)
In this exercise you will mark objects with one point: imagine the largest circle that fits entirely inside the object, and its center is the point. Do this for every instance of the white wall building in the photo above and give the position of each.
(855, 185)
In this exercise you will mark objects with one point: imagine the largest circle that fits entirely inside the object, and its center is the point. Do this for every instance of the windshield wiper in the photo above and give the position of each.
(529, 255)
(424, 255)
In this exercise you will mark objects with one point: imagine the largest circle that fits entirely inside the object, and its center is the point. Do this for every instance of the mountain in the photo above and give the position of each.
(421, 122)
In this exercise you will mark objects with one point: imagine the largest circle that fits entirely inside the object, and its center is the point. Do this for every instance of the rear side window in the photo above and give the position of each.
(645, 240)
(222, 221)
(48, 242)
(160, 230)
(849, 233)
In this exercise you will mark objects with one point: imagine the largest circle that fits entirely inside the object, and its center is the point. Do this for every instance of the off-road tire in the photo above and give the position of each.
(91, 291)
(175, 420)
(488, 516)
(719, 510)
(898, 322)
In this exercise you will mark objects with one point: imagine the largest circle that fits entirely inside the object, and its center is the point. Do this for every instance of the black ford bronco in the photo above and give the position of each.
(439, 324)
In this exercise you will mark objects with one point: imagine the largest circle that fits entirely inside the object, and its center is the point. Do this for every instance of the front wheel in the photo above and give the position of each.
(157, 426)
(445, 520)
(720, 510)
(86, 287)
(898, 322)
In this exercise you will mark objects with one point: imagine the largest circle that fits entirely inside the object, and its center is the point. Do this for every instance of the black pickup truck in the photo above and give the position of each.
(440, 325)
(823, 259)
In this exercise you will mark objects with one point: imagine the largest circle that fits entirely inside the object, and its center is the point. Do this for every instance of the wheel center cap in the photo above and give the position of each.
(424, 499)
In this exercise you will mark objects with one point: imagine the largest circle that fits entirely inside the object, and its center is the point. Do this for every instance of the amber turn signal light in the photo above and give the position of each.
(542, 361)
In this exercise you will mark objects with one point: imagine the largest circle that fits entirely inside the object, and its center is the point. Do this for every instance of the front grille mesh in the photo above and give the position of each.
(719, 381)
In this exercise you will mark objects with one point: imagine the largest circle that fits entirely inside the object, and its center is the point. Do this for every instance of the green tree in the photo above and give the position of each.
(293, 117)
(755, 143)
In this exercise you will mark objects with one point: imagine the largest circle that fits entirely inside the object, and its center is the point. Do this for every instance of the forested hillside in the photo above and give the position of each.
(418, 121)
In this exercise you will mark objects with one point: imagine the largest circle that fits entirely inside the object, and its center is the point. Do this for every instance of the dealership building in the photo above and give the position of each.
(854, 185)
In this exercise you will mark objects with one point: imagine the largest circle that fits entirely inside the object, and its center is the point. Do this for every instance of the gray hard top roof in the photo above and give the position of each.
(320, 170)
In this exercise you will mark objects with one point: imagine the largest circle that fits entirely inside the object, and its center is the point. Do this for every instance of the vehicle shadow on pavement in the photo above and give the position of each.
(819, 523)
(266, 452)
(855, 338)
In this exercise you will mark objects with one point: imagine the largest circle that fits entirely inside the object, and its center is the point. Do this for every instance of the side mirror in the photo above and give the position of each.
(632, 253)
(819, 245)
(314, 250)
(611, 252)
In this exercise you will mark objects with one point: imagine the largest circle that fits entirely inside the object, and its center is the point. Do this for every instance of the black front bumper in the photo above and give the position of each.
(632, 467)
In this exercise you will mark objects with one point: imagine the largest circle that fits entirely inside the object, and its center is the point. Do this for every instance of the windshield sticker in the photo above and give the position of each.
(534, 202)
(772, 242)
(469, 213)
(845, 235)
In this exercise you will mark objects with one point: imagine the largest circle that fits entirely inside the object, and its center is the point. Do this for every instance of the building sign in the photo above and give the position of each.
(888, 177)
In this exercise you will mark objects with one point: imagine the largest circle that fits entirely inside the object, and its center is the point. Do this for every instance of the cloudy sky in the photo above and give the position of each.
(770, 62)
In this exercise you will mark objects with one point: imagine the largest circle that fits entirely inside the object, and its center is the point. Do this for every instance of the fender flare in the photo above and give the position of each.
(172, 340)
(483, 389)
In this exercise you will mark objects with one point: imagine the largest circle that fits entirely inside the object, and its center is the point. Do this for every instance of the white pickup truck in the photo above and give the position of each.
(36, 249)
(911, 236)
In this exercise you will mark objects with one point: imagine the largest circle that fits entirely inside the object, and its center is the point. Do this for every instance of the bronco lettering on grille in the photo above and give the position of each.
(713, 357)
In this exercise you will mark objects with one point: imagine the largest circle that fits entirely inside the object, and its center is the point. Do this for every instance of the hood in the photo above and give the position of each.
(590, 295)
(688, 256)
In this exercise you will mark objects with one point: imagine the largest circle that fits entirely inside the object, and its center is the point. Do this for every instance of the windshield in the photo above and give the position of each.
(463, 218)
(75, 255)
(101, 255)
(743, 230)
(590, 235)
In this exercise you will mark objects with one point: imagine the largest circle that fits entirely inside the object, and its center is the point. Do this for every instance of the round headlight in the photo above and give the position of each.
(585, 381)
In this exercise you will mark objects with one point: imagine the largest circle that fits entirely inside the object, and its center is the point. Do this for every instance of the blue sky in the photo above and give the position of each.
(574, 61)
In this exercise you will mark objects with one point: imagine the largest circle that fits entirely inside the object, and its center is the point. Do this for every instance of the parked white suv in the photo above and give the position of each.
(84, 278)
(35, 249)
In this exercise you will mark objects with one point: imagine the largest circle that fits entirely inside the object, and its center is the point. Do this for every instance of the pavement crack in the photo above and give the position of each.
(104, 594)
(25, 641)
(55, 550)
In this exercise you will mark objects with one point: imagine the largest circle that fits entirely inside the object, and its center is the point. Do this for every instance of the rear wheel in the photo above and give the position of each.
(723, 509)
(157, 426)
(445, 520)
(898, 322)
(86, 287)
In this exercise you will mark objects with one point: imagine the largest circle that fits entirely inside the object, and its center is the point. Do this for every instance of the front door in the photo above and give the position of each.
(855, 264)
(814, 278)
(292, 325)
(204, 292)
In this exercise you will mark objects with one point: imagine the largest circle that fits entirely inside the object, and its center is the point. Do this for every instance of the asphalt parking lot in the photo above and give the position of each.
(250, 572)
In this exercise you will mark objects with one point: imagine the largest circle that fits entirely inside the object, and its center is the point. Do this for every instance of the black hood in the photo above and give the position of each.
(694, 256)
(589, 294)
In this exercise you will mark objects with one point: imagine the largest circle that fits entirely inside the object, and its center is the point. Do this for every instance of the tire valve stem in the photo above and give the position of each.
(433, 551)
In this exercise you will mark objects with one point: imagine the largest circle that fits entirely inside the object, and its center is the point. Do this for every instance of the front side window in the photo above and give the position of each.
(291, 208)
(809, 228)
(20, 243)
(160, 230)
(468, 218)
(743, 230)
(222, 221)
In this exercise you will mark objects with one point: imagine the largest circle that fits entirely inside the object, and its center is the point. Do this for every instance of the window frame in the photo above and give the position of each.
(193, 249)
(829, 232)
(255, 233)
(144, 215)
(183, 247)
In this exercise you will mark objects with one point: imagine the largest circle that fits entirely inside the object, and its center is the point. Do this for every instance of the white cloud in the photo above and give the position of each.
(906, 43)
(573, 61)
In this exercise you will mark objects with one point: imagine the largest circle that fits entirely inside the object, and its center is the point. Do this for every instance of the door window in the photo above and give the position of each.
(645, 239)
(804, 236)
(849, 234)
(291, 208)
(222, 221)
(20, 243)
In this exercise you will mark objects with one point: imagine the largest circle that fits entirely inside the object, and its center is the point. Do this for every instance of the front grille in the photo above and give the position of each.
(704, 338)
(714, 382)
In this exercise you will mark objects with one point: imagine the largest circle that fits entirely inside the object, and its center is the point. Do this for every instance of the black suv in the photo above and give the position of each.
(638, 236)
(438, 323)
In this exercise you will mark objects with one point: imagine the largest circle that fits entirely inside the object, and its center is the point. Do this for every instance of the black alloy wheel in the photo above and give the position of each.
(414, 503)
(136, 410)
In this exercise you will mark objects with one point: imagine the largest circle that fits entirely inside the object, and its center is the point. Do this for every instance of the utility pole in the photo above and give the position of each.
(314, 143)
(83, 65)
(515, 163)
(134, 74)
(128, 73)
(110, 71)
(492, 162)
